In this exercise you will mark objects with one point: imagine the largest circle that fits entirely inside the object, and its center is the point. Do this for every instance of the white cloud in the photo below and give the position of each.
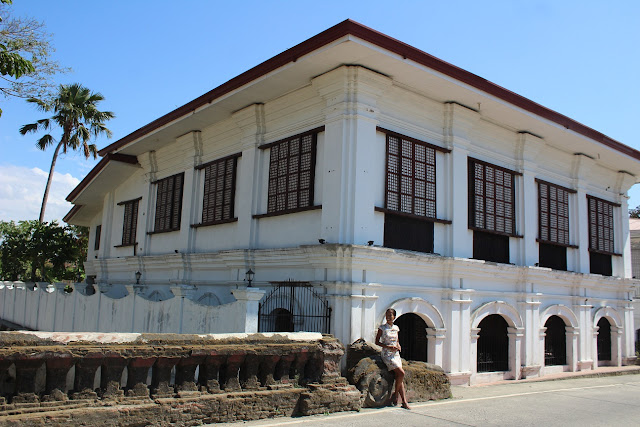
(22, 188)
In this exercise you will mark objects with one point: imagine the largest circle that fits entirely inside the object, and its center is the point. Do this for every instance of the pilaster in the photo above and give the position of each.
(527, 148)
(252, 122)
(192, 145)
(351, 94)
(581, 166)
(622, 238)
(149, 163)
(459, 124)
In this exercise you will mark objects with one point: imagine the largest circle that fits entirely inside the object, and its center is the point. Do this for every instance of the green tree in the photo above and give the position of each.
(26, 64)
(75, 112)
(40, 251)
(635, 212)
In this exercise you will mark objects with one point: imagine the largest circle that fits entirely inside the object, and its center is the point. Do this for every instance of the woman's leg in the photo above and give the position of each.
(399, 389)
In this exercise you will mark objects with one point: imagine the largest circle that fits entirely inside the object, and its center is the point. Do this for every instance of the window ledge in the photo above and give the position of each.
(484, 230)
(547, 242)
(595, 251)
(162, 231)
(414, 216)
(288, 211)
(206, 224)
(127, 245)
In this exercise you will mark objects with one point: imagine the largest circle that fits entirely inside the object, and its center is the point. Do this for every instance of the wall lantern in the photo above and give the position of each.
(248, 277)
(138, 275)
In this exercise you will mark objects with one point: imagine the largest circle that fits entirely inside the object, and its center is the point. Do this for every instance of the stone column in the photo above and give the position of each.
(531, 359)
(515, 348)
(248, 305)
(146, 211)
(459, 123)
(616, 345)
(622, 239)
(251, 121)
(348, 197)
(435, 340)
(572, 347)
(473, 354)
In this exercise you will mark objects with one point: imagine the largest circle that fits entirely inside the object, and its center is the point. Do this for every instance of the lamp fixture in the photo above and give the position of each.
(138, 275)
(370, 242)
(321, 241)
(248, 277)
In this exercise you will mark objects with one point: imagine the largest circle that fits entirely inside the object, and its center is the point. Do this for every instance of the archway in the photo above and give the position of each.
(282, 320)
(604, 340)
(493, 344)
(412, 337)
(555, 342)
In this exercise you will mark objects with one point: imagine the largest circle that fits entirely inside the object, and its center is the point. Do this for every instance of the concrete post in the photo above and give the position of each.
(249, 299)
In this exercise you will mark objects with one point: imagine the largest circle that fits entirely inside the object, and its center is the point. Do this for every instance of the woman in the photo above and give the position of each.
(387, 338)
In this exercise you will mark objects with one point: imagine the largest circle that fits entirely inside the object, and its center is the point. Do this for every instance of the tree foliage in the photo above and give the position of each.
(40, 251)
(635, 212)
(26, 64)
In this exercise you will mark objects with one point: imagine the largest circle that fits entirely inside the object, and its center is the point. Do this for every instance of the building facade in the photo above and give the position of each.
(364, 174)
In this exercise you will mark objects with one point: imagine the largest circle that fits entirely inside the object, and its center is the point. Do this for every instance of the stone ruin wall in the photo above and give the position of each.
(134, 379)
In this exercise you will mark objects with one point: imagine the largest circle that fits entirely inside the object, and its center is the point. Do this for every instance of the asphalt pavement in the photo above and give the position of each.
(578, 401)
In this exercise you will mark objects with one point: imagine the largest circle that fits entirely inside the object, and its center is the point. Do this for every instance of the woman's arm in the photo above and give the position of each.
(378, 339)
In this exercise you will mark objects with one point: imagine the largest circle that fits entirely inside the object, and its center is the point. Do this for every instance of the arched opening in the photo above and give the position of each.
(604, 340)
(555, 342)
(412, 337)
(493, 344)
(282, 320)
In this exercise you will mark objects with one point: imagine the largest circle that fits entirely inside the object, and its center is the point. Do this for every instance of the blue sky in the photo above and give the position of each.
(580, 58)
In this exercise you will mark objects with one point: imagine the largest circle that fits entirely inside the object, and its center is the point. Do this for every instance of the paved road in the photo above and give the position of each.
(608, 401)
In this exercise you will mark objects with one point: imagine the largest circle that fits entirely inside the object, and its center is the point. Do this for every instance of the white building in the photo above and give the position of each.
(381, 177)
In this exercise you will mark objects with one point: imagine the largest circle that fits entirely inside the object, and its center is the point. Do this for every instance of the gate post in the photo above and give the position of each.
(248, 301)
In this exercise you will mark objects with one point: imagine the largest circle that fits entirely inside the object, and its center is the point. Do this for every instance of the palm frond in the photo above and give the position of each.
(45, 141)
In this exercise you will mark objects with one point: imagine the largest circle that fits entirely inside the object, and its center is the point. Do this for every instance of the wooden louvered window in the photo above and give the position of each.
(411, 177)
(491, 198)
(553, 225)
(553, 213)
(219, 190)
(291, 173)
(601, 232)
(130, 222)
(169, 203)
(601, 225)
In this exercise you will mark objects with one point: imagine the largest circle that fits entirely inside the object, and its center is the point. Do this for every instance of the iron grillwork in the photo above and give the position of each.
(493, 345)
(555, 342)
(294, 307)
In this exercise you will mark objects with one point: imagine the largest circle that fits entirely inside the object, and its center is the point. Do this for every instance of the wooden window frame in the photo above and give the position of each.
(214, 212)
(171, 210)
(402, 181)
(562, 206)
(598, 240)
(129, 222)
(96, 240)
(472, 223)
(283, 172)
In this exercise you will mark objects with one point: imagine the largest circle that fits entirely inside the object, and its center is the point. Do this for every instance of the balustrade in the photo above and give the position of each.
(39, 369)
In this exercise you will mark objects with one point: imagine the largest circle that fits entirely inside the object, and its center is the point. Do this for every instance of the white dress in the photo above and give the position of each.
(389, 336)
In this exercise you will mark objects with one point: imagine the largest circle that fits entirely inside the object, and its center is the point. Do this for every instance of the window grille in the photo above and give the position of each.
(291, 173)
(219, 190)
(553, 213)
(601, 225)
(411, 177)
(96, 243)
(491, 198)
(169, 203)
(130, 222)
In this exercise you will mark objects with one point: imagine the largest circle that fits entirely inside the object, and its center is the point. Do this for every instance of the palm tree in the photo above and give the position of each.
(76, 113)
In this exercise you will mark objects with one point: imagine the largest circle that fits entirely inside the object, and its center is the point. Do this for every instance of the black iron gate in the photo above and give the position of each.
(604, 339)
(294, 307)
(493, 344)
(555, 342)
(412, 337)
